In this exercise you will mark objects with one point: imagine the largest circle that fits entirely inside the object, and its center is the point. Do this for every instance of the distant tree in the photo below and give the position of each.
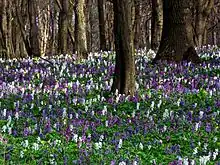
(102, 24)
(157, 23)
(34, 29)
(63, 26)
(201, 11)
(137, 24)
(177, 37)
(80, 29)
(124, 77)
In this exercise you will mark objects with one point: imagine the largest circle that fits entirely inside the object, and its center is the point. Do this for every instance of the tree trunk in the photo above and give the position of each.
(34, 31)
(177, 38)
(63, 25)
(80, 29)
(137, 23)
(101, 25)
(124, 77)
(202, 11)
(157, 23)
(3, 28)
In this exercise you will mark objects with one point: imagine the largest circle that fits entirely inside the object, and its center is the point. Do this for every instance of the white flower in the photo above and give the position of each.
(98, 145)
(122, 163)
(16, 115)
(104, 111)
(205, 146)
(195, 151)
(152, 105)
(159, 104)
(215, 139)
(133, 114)
(4, 112)
(203, 160)
(193, 162)
(120, 143)
(75, 137)
(101, 138)
(135, 163)
(77, 115)
(138, 106)
(4, 128)
(21, 154)
(201, 114)
(215, 154)
(106, 123)
(35, 146)
(141, 146)
(9, 130)
(196, 126)
(165, 114)
(64, 112)
(185, 161)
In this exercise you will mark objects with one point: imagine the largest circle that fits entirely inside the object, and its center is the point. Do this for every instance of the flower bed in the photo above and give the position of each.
(60, 112)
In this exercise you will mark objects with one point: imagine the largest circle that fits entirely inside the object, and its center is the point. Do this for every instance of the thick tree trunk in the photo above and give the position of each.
(157, 23)
(177, 38)
(124, 78)
(63, 27)
(101, 24)
(80, 29)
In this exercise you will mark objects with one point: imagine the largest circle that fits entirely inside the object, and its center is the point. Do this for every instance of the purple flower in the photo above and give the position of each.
(113, 162)
(208, 127)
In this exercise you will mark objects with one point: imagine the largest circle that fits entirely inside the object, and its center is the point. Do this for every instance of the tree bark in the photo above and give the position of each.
(101, 25)
(80, 29)
(34, 31)
(177, 38)
(157, 23)
(63, 27)
(124, 77)
(137, 23)
(202, 11)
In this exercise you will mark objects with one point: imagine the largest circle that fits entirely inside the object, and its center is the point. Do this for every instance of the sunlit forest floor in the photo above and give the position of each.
(59, 111)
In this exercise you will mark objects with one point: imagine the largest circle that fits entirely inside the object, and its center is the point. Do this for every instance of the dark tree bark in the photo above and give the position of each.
(137, 23)
(34, 31)
(63, 27)
(124, 77)
(101, 25)
(177, 38)
(157, 23)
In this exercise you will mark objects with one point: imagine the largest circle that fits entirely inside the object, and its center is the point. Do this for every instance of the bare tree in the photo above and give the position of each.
(102, 24)
(124, 77)
(202, 9)
(80, 29)
(157, 23)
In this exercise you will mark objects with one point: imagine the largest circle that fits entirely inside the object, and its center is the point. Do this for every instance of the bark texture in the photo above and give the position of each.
(202, 11)
(63, 27)
(102, 24)
(34, 31)
(177, 37)
(157, 23)
(124, 77)
(80, 29)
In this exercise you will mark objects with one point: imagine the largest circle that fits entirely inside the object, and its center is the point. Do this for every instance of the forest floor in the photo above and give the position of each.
(57, 112)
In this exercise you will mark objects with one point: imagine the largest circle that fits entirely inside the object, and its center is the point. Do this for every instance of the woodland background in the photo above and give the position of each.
(50, 27)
